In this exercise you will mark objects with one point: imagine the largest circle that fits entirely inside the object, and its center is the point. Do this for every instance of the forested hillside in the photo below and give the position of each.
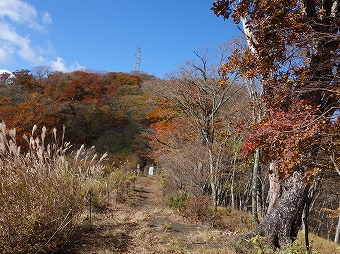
(105, 110)
(244, 139)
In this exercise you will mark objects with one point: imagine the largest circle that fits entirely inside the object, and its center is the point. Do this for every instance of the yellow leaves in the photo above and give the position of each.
(222, 84)
(266, 123)
(310, 174)
(332, 214)
(307, 60)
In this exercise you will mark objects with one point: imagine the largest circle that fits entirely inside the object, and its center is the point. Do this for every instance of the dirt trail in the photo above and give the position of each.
(145, 225)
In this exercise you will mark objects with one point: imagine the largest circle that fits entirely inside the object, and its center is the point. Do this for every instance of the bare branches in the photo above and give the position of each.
(309, 8)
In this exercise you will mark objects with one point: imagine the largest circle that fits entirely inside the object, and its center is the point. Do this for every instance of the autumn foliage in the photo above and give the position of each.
(94, 107)
(294, 51)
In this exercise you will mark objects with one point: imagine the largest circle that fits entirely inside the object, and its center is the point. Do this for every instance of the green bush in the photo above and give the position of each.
(261, 246)
(177, 200)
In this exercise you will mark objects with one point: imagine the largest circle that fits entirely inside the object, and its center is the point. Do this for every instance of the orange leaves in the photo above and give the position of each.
(275, 27)
(245, 62)
(126, 79)
(87, 103)
(84, 87)
(169, 126)
(88, 87)
(171, 132)
(222, 8)
(286, 136)
(164, 111)
(24, 115)
(295, 56)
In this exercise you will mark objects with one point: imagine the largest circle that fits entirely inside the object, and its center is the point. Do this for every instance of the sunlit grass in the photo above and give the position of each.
(45, 189)
(319, 244)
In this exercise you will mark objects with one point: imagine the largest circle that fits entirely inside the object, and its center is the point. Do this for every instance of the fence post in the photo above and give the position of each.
(108, 193)
(305, 220)
(90, 207)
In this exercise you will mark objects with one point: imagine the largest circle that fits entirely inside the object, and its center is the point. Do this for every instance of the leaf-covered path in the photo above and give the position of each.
(145, 225)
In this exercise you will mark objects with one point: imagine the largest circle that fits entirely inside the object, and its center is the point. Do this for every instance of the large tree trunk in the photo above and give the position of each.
(282, 222)
(274, 187)
(313, 194)
(337, 231)
(213, 179)
(233, 182)
(254, 193)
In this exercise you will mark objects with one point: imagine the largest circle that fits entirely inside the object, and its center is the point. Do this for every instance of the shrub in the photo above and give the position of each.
(121, 180)
(262, 247)
(232, 220)
(199, 208)
(177, 200)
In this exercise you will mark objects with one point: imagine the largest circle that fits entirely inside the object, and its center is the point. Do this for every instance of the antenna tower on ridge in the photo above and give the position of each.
(137, 59)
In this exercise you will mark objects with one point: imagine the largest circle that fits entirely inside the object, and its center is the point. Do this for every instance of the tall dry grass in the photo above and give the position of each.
(43, 190)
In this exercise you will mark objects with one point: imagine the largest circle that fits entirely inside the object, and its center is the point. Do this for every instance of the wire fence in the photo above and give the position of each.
(69, 217)
(60, 228)
(73, 216)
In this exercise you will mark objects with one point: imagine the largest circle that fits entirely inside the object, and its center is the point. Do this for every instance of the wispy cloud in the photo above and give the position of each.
(19, 13)
(4, 54)
(59, 65)
(13, 42)
(46, 18)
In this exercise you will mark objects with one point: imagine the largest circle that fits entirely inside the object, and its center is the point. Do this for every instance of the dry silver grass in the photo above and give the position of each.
(43, 190)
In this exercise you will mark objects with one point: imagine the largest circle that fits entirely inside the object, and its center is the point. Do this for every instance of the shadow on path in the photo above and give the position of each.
(143, 224)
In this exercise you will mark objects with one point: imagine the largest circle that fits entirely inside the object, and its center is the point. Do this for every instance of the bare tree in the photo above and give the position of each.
(198, 92)
(40, 72)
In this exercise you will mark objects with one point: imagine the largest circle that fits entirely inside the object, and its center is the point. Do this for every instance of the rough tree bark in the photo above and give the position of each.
(274, 187)
(313, 194)
(283, 220)
(337, 230)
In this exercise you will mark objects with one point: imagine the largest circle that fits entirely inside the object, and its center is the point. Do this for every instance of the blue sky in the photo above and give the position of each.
(104, 34)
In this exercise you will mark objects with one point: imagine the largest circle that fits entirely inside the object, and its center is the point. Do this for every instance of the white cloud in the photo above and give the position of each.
(26, 52)
(20, 12)
(17, 10)
(15, 14)
(46, 49)
(46, 18)
(5, 71)
(4, 55)
(59, 65)
(18, 43)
